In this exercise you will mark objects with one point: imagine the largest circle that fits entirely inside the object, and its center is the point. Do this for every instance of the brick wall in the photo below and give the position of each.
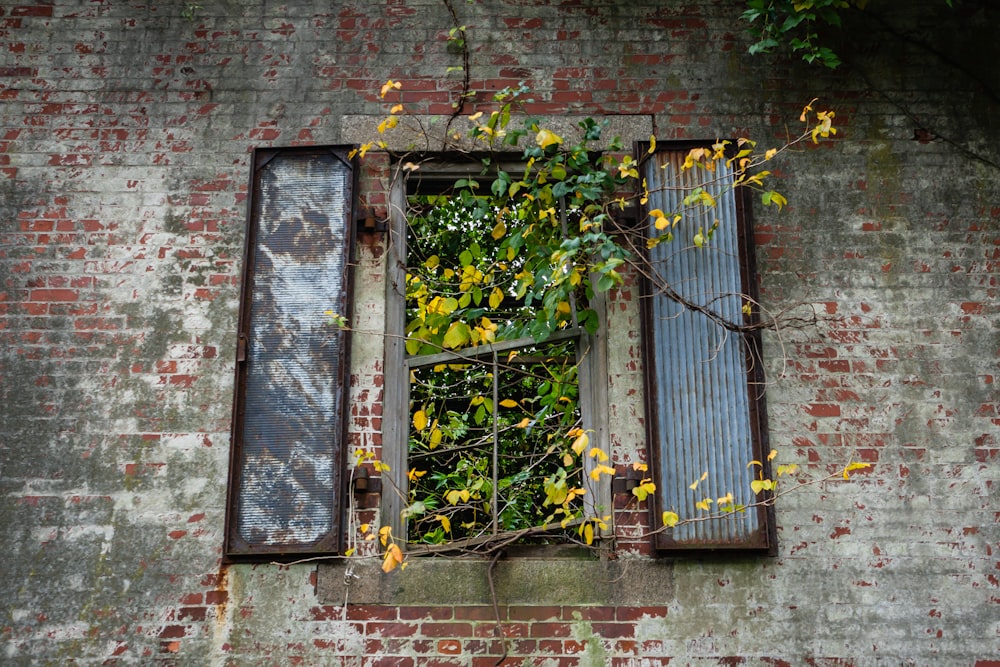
(124, 158)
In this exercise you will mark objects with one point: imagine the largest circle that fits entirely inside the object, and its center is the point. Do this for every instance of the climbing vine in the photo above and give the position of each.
(505, 267)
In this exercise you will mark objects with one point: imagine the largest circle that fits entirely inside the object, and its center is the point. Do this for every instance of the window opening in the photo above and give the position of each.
(501, 438)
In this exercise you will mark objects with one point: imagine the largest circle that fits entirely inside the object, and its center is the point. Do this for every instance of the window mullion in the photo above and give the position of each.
(396, 392)
(496, 444)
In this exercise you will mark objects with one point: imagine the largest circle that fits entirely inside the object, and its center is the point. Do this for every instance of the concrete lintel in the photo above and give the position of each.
(427, 133)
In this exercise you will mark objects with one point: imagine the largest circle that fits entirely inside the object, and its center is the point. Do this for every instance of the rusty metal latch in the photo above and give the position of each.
(241, 348)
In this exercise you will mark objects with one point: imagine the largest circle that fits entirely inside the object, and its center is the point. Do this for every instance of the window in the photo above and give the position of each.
(487, 452)
(287, 457)
(704, 384)
(495, 418)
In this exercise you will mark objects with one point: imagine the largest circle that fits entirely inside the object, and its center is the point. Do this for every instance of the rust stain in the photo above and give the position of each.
(221, 595)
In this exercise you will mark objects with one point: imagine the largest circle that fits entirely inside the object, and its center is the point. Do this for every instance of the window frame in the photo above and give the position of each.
(235, 547)
(763, 540)
(437, 171)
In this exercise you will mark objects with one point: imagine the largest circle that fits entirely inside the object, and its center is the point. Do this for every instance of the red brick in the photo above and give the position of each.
(446, 629)
(216, 597)
(550, 630)
(823, 410)
(32, 10)
(172, 631)
(53, 295)
(614, 630)
(449, 646)
(390, 661)
(385, 630)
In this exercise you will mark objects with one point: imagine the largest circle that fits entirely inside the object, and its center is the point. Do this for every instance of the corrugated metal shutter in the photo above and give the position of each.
(702, 409)
(288, 432)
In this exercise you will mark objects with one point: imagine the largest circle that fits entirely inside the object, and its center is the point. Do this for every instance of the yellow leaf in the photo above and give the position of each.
(641, 467)
(787, 469)
(601, 469)
(476, 116)
(508, 403)
(670, 519)
(588, 533)
(855, 466)
(770, 153)
(499, 230)
(349, 552)
(419, 420)
(524, 423)
(445, 522)
(659, 219)
(384, 533)
(694, 485)
(388, 124)
(432, 262)
(398, 108)
(546, 138)
(652, 144)
(580, 443)
(640, 492)
(458, 334)
(704, 504)
(598, 453)
(389, 85)
(435, 438)
(496, 297)
(364, 528)
(806, 109)
(393, 557)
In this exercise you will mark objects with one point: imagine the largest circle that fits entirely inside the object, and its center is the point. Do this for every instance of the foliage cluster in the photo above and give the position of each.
(796, 25)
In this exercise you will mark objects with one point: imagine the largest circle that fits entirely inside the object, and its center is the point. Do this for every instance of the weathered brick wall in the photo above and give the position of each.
(124, 157)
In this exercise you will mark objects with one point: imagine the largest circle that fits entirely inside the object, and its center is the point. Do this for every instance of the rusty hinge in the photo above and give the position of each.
(241, 348)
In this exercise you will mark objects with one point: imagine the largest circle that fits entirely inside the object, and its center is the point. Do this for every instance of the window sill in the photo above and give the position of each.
(518, 581)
